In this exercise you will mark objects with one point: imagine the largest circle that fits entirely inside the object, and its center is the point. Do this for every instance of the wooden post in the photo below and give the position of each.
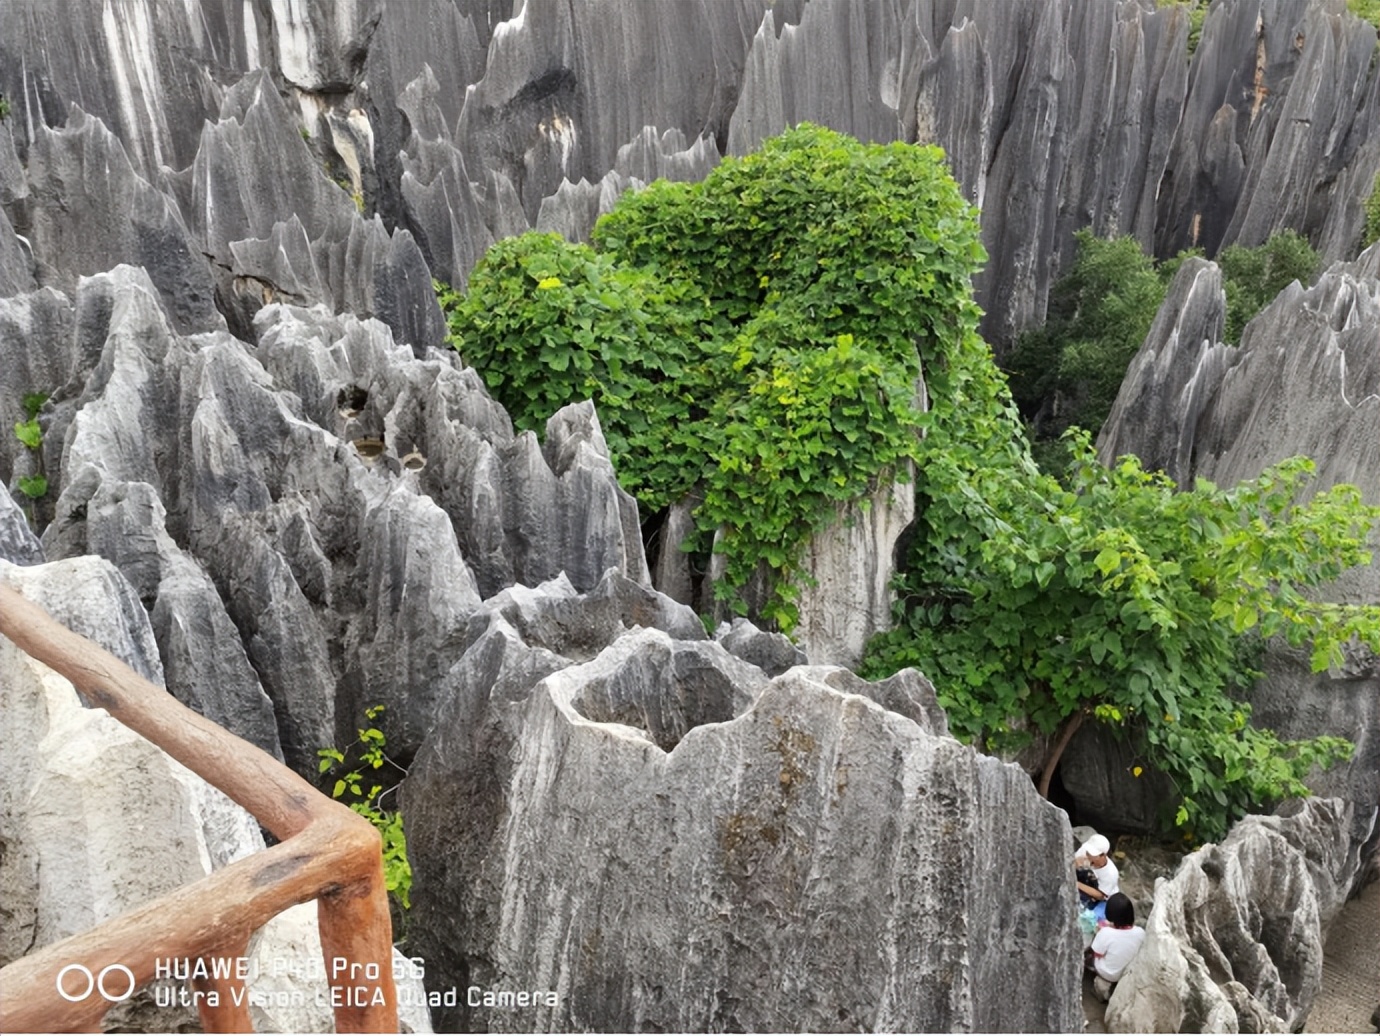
(326, 852)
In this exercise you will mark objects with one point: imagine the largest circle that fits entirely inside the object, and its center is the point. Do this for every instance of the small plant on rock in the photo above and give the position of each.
(30, 433)
(367, 753)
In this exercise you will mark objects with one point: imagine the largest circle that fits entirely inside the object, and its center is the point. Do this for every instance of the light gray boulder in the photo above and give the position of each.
(773, 653)
(16, 257)
(847, 570)
(1176, 371)
(782, 855)
(838, 65)
(59, 803)
(1253, 154)
(205, 665)
(565, 87)
(1234, 942)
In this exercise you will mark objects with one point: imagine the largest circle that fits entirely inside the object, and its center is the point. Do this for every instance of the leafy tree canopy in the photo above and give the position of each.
(758, 338)
(1115, 598)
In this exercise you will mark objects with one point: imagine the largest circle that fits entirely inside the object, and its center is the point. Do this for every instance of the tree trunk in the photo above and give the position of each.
(1071, 726)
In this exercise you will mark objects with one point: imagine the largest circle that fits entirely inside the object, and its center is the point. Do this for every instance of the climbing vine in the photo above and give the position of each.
(758, 336)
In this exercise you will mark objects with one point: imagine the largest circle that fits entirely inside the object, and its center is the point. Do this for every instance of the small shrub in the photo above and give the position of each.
(367, 753)
(1252, 277)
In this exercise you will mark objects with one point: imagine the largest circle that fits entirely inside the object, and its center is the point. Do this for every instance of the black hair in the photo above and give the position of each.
(1120, 910)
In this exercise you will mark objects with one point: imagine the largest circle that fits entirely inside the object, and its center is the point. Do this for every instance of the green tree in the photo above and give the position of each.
(1252, 277)
(759, 335)
(1068, 371)
(1118, 599)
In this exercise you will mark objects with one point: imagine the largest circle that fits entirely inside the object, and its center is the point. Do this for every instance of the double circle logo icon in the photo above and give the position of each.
(114, 982)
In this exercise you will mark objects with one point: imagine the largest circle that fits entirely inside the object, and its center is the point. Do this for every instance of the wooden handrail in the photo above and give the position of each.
(327, 852)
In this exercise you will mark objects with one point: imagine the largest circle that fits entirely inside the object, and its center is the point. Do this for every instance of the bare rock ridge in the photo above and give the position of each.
(269, 505)
(454, 128)
(756, 808)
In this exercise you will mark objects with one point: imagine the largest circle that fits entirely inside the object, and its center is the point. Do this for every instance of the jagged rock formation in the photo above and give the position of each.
(1234, 942)
(456, 128)
(802, 858)
(271, 507)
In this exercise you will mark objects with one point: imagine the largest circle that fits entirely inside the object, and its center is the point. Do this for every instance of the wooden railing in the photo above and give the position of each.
(326, 852)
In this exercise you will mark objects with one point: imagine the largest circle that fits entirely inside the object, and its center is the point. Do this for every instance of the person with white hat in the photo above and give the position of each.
(1105, 881)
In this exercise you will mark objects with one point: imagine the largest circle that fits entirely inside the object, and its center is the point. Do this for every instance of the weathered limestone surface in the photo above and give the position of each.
(1234, 942)
(318, 512)
(293, 580)
(850, 565)
(802, 858)
(1175, 373)
(459, 123)
(18, 544)
(58, 801)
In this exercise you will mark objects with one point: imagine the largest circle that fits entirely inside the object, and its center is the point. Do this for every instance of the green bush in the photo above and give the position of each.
(768, 326)
(1252, 277)
(1036, 607)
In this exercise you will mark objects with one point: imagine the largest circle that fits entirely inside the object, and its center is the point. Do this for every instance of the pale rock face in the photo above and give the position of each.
(154, 828)
(784, 855)
(1234, 942)
(850, 565)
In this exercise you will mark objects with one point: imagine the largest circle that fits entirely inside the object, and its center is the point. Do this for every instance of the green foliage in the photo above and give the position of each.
(1118, 599)
(1372, 230)
(1368, 10)
(1252, 277)
(758, 335)
(1099, 314)
(367, 753)
(1197, 14)
(29, 433)
(4, 107)
(549, 323)
(1067, 373)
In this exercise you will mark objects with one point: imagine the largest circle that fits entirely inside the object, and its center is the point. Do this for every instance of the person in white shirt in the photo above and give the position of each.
(1092, 856)
(1115, 945)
